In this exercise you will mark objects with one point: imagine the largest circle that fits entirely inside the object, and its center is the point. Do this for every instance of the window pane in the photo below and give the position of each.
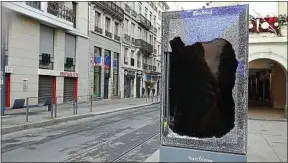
(70, 45)
(46, 40)
(116, 28)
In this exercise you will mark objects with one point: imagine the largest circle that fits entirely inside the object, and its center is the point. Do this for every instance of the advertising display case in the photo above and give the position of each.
(204, 85)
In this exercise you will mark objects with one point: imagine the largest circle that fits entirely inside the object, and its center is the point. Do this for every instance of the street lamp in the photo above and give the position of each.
(3, 46)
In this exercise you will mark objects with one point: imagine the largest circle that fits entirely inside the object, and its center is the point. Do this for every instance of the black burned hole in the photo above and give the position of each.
(202, 77)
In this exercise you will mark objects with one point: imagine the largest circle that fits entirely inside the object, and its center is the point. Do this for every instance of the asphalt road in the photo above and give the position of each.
(131, 135)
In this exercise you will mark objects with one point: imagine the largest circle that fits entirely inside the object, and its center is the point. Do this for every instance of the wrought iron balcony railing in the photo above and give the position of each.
(69, 68)
(108, 34)
(144, 22)
(34, 4)
(126, 38)
(127, 8)
(144, 47)
(134, 13)
(98, 30)
(111, 8)
(116, 37)
(46, 65)
(60, 11)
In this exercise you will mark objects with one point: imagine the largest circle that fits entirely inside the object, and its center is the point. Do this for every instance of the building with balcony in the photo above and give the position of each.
(141, 47)
(268, 77)
(47, 51)
(105, 31)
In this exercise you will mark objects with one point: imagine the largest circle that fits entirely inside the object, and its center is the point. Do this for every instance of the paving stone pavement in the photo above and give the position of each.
(267, 142)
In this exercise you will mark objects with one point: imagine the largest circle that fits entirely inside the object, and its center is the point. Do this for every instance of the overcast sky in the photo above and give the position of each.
(263, 8)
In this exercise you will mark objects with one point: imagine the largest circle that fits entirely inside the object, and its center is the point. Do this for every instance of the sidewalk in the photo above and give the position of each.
(267, 142)
(17, 117)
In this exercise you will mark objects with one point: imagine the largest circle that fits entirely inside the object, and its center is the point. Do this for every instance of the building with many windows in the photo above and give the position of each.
(141, 47)
(65, 51)
(105, 21)
(46, 51)
(124, 46)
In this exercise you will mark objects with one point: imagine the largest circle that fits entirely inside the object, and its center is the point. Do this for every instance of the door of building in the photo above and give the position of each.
(69, 89)
(138, 81)
(45, 88)
(127, 87)
(106, 87)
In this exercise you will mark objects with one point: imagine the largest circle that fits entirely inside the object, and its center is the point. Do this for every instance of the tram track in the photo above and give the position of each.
(76, 129)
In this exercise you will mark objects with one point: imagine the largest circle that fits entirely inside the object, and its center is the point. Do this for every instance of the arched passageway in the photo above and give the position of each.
(267, 89)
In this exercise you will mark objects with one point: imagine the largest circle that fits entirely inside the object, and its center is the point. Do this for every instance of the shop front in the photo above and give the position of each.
(138, 83)
(70, 89)
(151, 83)
(129, 76)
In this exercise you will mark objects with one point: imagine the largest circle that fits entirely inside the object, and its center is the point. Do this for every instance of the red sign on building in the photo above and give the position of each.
(69, 74)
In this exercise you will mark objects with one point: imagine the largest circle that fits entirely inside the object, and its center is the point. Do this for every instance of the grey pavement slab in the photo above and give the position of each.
(267, 142)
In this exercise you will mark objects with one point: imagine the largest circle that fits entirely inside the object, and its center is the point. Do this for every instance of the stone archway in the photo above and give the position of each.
(281, 68)
(272, 56)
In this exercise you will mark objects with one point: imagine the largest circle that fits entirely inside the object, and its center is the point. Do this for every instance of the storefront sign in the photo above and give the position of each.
(97, 61)
(115, 63)
(69, 74)
(8, 69)
(194, 126)
(107, 61)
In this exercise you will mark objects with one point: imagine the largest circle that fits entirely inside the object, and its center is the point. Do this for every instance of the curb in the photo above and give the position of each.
(54, 121)
(154, 157)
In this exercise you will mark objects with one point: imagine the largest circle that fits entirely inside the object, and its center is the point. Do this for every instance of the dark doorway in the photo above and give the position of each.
(259, 87)
(138, 81)
(106, 87)
(127, 87)
(107, 71)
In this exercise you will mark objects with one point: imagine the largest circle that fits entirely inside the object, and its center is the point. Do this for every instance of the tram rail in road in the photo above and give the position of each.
(131, 135)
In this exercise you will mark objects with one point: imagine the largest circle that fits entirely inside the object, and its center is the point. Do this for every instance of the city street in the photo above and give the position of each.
(131, 135)
(123, 136)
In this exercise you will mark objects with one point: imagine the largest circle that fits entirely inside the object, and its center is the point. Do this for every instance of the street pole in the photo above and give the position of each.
(3, 46)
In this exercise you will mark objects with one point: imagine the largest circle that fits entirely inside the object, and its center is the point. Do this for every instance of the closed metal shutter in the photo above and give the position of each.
(45, 88)
(69, 87)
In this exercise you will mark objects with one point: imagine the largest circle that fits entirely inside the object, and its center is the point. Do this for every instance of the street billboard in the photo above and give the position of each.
(204, 80)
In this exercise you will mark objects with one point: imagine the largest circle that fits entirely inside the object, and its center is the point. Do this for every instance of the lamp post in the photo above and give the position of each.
(140, 76)
(3, 46)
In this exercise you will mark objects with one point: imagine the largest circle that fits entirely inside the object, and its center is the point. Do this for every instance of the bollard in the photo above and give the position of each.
(74, 107)
(27, 108)
(91, 102)
(55, 108)
(51, 110)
